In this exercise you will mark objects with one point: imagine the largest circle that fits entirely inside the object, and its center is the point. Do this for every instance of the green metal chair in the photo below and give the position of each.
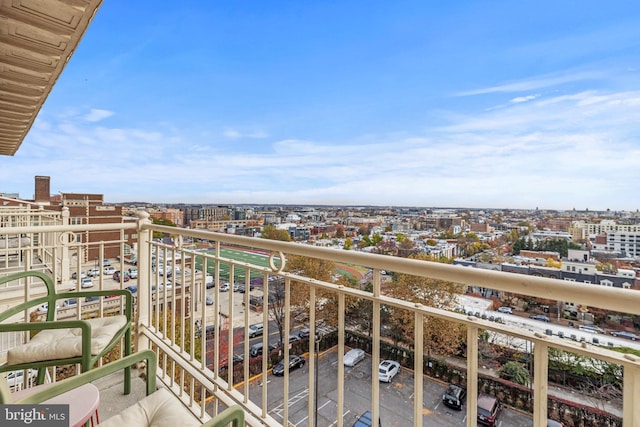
(159, 408)
(64, 342)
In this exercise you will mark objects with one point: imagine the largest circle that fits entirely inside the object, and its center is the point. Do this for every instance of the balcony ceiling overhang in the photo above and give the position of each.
(37, 39)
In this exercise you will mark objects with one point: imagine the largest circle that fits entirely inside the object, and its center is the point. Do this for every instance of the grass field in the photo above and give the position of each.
(253, 258)
(261, 260)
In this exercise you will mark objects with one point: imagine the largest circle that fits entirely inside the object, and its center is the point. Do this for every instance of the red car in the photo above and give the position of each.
(116, 276)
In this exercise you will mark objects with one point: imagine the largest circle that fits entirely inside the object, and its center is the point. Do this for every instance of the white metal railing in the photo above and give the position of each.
(203, 386)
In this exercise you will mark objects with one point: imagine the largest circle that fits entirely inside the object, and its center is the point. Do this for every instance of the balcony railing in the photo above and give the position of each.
(196, 342)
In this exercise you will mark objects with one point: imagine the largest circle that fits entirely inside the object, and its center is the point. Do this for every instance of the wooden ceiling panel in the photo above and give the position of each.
(37, 38)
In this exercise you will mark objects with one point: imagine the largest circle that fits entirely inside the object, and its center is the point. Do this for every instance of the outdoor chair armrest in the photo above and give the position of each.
(86, 377)
(233, 414)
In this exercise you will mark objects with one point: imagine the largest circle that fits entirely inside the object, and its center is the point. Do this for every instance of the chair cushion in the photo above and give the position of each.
(159, 409)
(51, 344)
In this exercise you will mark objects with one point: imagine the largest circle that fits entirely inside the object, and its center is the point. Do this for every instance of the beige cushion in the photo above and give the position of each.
(159, 409)
(51, 344)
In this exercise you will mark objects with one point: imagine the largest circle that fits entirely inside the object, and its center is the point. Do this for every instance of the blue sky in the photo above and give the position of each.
(518, 104)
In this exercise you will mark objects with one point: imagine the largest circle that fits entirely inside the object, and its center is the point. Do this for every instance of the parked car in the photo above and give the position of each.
(125, 276)
(209, 300)
(106, 263)
(255, 330)
(624, 334)
(365, 420)
(133, 289)
(387, 370)
(71, 302)
(304, 332)
(133, 273)
(454, 396)
(295, 362)
(541, 317)
(256, 349)
(591, 328)
(210, 331)
(92, 298)
(353, 356)
(74, 276)
(45, 307)
(109, 271)
(209, 282)
(15, 379)
(224, 287)
(505, 309)
(87, 282)
(489, 408)
(93, 272)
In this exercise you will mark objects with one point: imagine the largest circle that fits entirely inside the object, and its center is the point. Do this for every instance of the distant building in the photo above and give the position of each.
(174, 215)
(480, 227)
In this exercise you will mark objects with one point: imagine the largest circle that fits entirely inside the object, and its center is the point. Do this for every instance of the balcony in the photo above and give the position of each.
(207, 374)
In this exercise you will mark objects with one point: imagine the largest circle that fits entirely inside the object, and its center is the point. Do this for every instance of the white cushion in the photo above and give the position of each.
(159, 409)
(51, 344)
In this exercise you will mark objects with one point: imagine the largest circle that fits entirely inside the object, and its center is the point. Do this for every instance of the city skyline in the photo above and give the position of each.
(496, 104)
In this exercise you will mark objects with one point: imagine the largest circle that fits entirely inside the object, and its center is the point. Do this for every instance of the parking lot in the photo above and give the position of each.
(396, 397)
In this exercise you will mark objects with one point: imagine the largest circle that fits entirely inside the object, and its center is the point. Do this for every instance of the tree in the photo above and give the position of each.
(371, 241)
(319, 269)
(348, 244)
(277, 309)
(272, 233)
(515, 372)
(439, 335)
(339, 231)
(359, 310)
(161, 221)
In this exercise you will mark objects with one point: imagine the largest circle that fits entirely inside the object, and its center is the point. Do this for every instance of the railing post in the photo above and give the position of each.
(64, 253)
(375, 350)
(418, 362)
(472, 376)
(144, 280)
(631, 396)
(540, 382)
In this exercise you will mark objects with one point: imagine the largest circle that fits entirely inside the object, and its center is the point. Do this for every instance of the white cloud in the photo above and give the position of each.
(536, 83)
(520, 99)
(96, 115)
(235, 134)
(574, 150)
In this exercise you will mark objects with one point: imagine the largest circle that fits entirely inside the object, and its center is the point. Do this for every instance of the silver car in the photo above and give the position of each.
(353, 356)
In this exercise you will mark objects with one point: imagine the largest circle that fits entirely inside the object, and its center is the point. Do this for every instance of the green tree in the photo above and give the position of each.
(514, 371)
(161, 221)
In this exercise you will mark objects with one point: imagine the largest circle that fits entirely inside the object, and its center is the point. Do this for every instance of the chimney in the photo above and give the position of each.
(43, 193)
